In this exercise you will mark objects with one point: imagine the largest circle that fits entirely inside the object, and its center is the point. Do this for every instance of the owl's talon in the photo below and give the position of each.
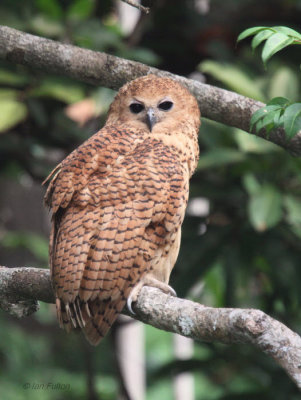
(148, 281)
(172, 291)
(129, 305)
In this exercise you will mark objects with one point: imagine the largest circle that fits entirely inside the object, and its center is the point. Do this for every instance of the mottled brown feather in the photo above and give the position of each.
(118, 202)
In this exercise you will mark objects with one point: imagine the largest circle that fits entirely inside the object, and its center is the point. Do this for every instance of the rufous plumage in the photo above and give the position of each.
(118, 202)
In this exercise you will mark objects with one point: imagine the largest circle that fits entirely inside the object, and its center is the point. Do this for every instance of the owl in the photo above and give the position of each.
(118, 202)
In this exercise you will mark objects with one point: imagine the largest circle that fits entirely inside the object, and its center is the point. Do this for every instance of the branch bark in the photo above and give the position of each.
(102, 69)
(21, 288)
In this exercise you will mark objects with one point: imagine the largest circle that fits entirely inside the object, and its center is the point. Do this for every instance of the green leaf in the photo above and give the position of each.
(234, 78)
(288, 31)
(292, 120)
(12, 113)
(260, 37)
(270, 116)
(278, 118)
(257, 115)
(264, 208)
(250, 31)
(279, 101)
(259, 125)
(268, 121)
(260, 114)
(274, 44)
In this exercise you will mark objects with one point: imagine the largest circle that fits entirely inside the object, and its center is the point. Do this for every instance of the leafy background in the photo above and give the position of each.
(245, 253)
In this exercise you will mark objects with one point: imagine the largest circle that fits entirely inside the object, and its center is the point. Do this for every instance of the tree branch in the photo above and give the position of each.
(102, 69)
(20, 288)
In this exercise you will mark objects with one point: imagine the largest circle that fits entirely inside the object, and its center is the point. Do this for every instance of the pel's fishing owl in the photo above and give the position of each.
(118, 202)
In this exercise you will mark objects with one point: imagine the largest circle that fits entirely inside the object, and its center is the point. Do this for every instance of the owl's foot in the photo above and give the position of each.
(148, 281)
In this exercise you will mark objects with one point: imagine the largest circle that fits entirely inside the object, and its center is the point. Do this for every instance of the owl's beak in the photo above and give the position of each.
(151, 118)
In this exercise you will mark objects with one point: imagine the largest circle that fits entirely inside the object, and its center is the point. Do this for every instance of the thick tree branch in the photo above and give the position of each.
(102, 69)
(20, 288)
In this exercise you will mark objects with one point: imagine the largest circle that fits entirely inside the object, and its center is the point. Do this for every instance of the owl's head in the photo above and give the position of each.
(156, 104)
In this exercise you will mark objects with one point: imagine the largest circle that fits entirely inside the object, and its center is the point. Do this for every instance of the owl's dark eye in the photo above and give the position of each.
(165, 105)
(136, 108)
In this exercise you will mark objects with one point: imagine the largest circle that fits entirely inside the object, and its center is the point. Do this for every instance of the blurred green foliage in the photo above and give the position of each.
(245, 253)
(36, 244)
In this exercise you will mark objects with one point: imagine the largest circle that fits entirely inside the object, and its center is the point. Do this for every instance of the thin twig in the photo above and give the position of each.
(133, 3)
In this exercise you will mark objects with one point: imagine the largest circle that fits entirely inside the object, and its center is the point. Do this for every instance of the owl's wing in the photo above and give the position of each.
(110, 234)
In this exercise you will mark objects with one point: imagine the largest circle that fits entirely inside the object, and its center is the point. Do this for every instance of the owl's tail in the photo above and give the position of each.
(95, 317)
(103, 315)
